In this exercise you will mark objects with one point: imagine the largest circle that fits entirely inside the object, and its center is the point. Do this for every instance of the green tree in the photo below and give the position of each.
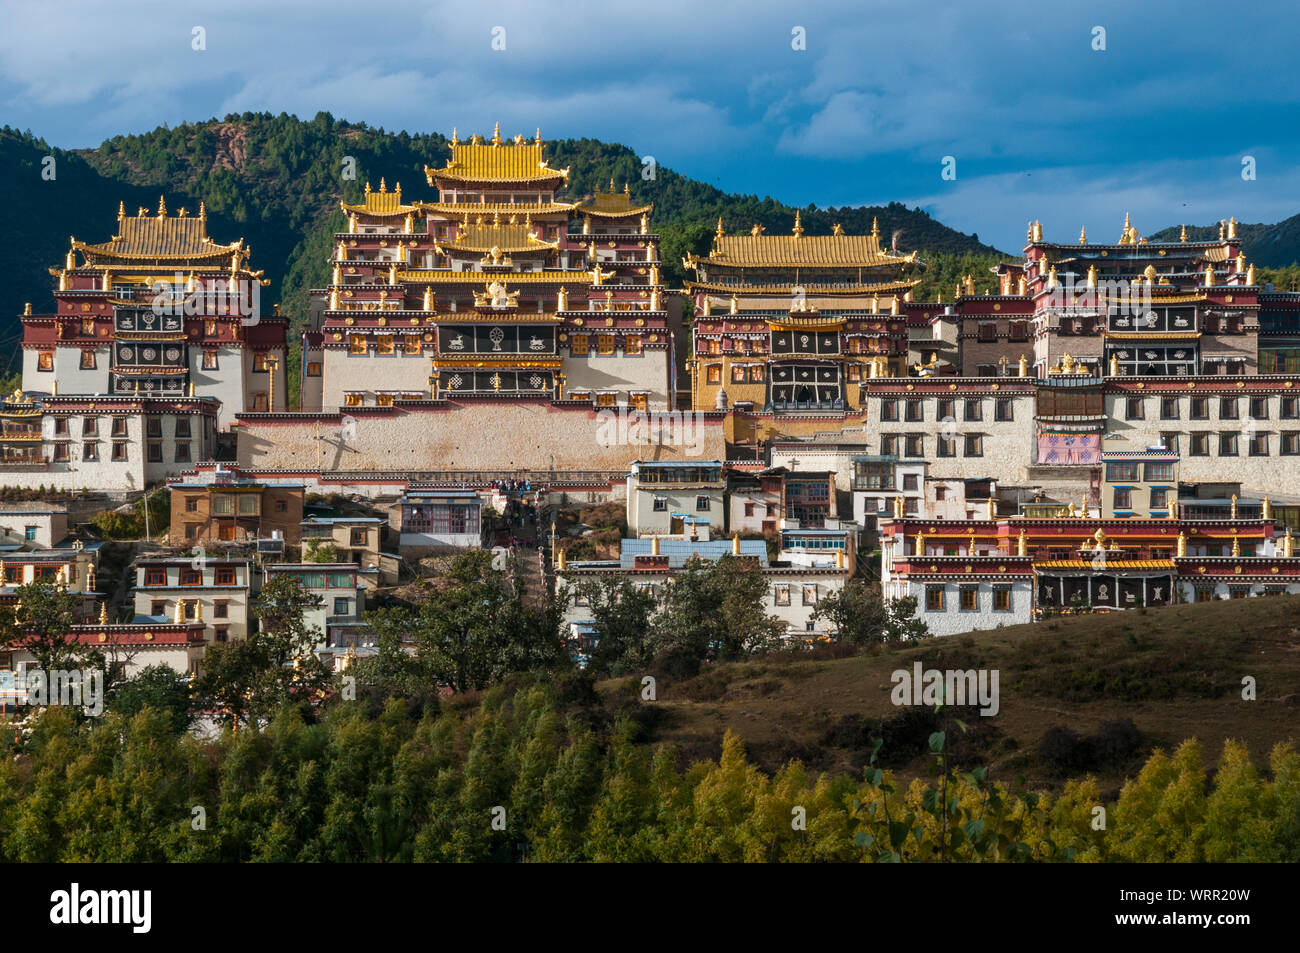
(622, 612)
(159, 687)
(41, 622)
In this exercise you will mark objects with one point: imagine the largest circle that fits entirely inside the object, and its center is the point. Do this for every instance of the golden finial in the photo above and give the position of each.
(1232, 229)
(455, 139)
(1182, 234)
(367, 188)
(538, 140)
(798, 225)
(1223, 229)
(103, 613)
(496, 134)
(627, 191)
(1250, 274)
(383, 186)
(720, 233)
(611, 185)
(875, 227)
(121, 211)
(27, 308)
(1083, 235)
(398, 191)
(162, 207)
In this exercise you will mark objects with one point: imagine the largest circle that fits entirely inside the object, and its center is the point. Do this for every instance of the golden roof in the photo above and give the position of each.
(160, 237)
(492, 208)
(811, 288)
(429, 276)
(797, 249)
(613, 204)
(1111, 563)
(1153, 335)
(496, 161)
(508, 235)
(381, 203)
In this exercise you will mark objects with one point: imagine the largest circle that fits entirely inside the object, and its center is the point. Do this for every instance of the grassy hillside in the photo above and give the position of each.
(1176, 672)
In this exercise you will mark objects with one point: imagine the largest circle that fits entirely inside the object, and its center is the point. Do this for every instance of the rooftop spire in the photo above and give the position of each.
(203, 210)
(1083, 235)
(455, 139)
(875, 227)
(798, 225)
(538, 140)
(121, 211)
(162, 207)
(496, 134)
(383, 186)
(1182, 234)
(720, 232)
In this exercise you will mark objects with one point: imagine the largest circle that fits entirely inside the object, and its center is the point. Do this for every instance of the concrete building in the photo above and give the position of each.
(219, 504)
(429, 520)
(357, 540)
(216, 592)
(33, 525)
(342, 596)
(663, 496)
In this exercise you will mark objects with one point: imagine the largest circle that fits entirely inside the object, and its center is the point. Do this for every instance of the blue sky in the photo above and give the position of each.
(1040, 124)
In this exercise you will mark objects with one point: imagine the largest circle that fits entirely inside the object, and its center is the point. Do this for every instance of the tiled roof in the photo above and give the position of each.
(516, 161)
(159, 237)
(381, 203)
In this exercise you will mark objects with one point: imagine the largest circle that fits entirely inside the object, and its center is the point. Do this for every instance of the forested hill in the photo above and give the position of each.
(276, 182)
(1272, 246)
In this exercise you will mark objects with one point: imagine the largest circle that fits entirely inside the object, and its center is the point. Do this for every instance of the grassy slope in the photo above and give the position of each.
(1175, 671)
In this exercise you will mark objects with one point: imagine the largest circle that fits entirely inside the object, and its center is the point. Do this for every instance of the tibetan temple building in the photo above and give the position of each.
(795, 323)
(500, 288)
(158, 310)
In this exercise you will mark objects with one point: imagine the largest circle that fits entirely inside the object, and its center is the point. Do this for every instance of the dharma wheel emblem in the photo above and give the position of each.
(496, 335)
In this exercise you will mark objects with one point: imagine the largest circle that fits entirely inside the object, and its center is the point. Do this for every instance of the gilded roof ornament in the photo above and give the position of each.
(162, 207)
(798, 225)
(837, 229)
(121, 211)
(756, 230)
(1083, 235)
(875, 227)
(203, 211)
(455, 139)
(720, 232)
(1232, 228)
(1182, 235)
(538, 140)
(496, 134)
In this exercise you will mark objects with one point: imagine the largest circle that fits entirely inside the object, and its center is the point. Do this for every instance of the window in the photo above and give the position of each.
(749, 509)
(934, 598)
(944, 409)
(191, 577)
(974, 445)
(60, 426)
(1200, 408)
(914, 410)
(579, 344)
(940, 493)
(90, 427)
(1123, 498)
(155, 452)
(158, 607)
(604, 344)
(1001, 598)
(90, 452)
(341, 606)
(1204, 594)
(223, 505)
(221, 633)
(713, 374)
(1169, 440)
(974, 409)
(282, 506)
(210, 360)
(914, 445)
(660, 505)
(410, 344)
(87, 360)
(1133, 408)
(191, 530)
(1121, 471)
(970, 598)
(182, 453)
(60, 452)
(182, 428)
(155, 577)
(1227, 444)
(384, 344)
(1159, 471)
(249, 504)
(1259, 408)
(119, 452)
(313, 368)
(1291, 444)
(1290, 408)
(781, 594)
(701, 504)
(810, 594)
(607, 399)
(1228, 408)
(153, 427)
(889, 445)
(632, 344)
(45, 361)
(225, 575)
(358, 537)
(1168, 408)
(1259, 445)
(1019, 331)
(119, 427)
(1159, 499)
(889, 409)
(357, 344)
(910, 506)
(947, 446)
(353, 400)
(1199, 445)
(221, 609)
(1004, 409)
(909, 482)
(988, 331)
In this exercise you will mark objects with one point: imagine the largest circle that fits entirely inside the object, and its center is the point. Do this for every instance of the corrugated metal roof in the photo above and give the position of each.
(679, 551)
